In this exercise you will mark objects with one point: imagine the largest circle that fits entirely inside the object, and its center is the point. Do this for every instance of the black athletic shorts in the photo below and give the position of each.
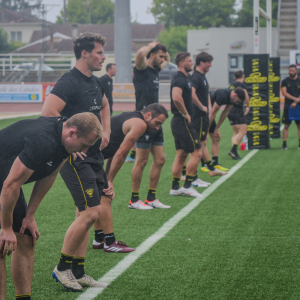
(185, 135)
(153, 138)
(19, 213)
(213, 127)
(237, 119)
(285, 116)
(201, 124)
(85, 180)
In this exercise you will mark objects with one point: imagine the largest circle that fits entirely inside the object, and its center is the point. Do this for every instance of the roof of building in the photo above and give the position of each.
(10, 16)
(58, 37)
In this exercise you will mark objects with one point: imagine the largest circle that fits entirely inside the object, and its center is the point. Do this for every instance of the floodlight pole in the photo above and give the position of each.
(268, 16)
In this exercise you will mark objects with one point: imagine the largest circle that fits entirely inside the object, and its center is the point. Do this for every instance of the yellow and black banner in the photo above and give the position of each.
(274, 96)
(256, 69)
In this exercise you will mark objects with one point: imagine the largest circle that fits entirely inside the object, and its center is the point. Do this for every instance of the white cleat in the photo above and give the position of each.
(175, 192)
(88, 281)
(200, 183)
(139, 205)
(190, 192)
(156, 204)
(67, 279)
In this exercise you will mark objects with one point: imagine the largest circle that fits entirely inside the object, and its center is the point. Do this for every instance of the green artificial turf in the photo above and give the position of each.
(241, 242)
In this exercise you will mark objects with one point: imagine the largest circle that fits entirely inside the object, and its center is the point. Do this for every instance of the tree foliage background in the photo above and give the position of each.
(89, 12)
(26, 6)
(5, 45)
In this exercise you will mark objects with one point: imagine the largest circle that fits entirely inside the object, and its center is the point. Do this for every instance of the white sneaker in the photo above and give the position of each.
(182, 178)
(139, 205)
(190, 192)
(175, 192)
(67, 279)
(200, 183)
(156, 204)
(88, 281)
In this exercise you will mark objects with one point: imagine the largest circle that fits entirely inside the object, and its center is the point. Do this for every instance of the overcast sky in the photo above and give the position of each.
(138, 10)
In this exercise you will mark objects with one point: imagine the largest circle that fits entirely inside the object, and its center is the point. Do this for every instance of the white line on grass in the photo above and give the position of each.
(128, 260)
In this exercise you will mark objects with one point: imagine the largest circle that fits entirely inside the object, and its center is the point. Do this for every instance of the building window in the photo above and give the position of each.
(16, 36)
(236, 62)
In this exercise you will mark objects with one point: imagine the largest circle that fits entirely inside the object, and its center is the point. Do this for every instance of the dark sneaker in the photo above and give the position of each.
(233, 155)
(119, 247)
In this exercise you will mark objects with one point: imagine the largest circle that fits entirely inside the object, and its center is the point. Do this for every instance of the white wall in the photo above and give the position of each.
(219, 43)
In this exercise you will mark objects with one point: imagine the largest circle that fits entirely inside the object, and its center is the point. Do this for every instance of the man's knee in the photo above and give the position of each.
(105, 201)
(91, 215)
(215, 138)
(160, 160)
(197, 154)
(286, 126)
(142, 162)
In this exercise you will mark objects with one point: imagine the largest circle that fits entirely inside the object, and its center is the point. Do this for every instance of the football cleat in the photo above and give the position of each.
(200, 183)
(175, 192)
(67, 279)
(220, 167)
(217, 172)
(233, 155)
(285, 148)
(205, 169)
(139, 205)
(97, 245)
(190, 192)
(88, 281)
(129, 159)
(156, 204)
(118, 247)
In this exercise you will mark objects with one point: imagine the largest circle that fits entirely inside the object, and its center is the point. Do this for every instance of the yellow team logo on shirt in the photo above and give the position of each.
(90, 192)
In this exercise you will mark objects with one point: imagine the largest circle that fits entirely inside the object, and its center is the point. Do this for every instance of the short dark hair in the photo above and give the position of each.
(86, 41)
(156, 49)
(204, 57)
(108, 66)
(181, 56)
(156, 109)
(293, 66)
(238, 74)
(240, 93)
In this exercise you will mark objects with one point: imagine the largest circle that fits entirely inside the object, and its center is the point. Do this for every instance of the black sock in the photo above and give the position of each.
(78, 267)
(202, 163)
(215, 160)
(284, 143)
(132, 154)
(188, 181)
(210, 165)
(234, 149)
(24, 297)
(151, 194)
(99, 236)
(109, 239)
(135, 196)
(184, 171)
(175, 183)
(65, 262)
(196, 176)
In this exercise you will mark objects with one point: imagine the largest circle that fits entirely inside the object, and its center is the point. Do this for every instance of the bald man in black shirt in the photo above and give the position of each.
(33, 151)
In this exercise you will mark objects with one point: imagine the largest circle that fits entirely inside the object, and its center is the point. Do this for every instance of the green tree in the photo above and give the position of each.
(5, 45)
(245, 15)
(175, 39)
(89, 12)
(206, 13)
(31, 6)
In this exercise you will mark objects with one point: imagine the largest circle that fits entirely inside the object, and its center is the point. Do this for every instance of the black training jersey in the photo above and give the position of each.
(182, 81)
(237, 107)
(37, 143)
(146, 84)
(292, 87)
(221, 97)
(81, 94)
(107, 84)
(200, 83)
(117, 135)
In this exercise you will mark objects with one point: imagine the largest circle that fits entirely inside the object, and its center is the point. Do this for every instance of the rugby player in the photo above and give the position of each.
(290, 87)
(33, 151)
(237, 115)
(126, 128)
(148, 63)
(107, 82)
(78, 91)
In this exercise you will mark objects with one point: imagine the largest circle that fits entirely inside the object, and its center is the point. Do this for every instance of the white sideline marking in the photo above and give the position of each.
(128, 260)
